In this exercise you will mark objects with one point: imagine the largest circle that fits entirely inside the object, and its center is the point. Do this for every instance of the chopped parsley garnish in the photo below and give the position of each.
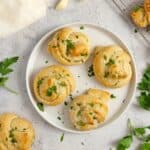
(79, 113)
(70, 45)
(5, 70)
(40, 106)
(59, 118)
(84, 54)
(94, 117)
(110, 62)
(106, 74)
(54, 46)
(62, 84)
(135, 30)
(81, 123)
(105, 57)
(112, 96)
(71, 97)
(77, 36)
(91, 113)
(81, 27)
(78, 104)
(65, 103)
(67, 75)
(51, 90)
(62, 137)
(39, 82)
(71, 107)
(91, 71)
(46, 61)
(13, 140)
(91, 104)
(144, 87)
(12, 136)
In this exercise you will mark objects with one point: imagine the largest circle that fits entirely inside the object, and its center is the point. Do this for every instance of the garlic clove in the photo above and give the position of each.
(62, 4)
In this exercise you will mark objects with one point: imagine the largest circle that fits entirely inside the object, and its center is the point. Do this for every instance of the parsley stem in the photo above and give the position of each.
(130, 126)
(10, 90)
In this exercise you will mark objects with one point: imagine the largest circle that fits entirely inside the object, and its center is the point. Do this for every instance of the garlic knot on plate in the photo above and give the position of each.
(112, 66)
(53, 84)
(141, 14)
(16, 133)
(88, 110)
(69, 47)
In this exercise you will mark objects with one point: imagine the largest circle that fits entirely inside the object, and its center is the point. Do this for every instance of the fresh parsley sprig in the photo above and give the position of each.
(144, 87)
(139, 133)
(5, 70)
(125, 142)
(145, 146)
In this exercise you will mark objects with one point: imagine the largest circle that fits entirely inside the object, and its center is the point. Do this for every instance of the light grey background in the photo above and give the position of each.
(21, 44)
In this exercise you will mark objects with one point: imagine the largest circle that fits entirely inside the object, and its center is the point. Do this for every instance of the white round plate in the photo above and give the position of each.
(38, 58)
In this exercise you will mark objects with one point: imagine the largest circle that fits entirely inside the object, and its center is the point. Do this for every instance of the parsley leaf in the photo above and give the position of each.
(81, 27)
(5, 70)
(140, 133)
(91, 71)
(112, 96)
(125, 142)
(51, 90)
(144, 87)
(145, 82)
(62, 137)
(40, 106)
(110, 62)
(144, 100)
(4, 65)
(145, 146)
(3, 80)
(70, 45)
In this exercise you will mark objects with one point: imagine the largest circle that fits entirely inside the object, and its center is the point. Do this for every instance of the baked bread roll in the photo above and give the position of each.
(87, 111)
(69, 47)
(15, 133)
(147, 9)
(53, 84)
(141, 14)
(112, 66)
(140, 17)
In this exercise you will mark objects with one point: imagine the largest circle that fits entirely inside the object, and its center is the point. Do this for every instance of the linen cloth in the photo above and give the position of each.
(17, 14)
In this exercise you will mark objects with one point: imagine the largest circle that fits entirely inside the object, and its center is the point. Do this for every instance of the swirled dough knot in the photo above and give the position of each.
(112, 66)
(147, 9)
(52, 84)
(141, 14)
(69, 47)
(15, 133)
(87, 111)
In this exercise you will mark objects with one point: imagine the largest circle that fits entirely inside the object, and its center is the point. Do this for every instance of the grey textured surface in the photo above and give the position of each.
(47, 137)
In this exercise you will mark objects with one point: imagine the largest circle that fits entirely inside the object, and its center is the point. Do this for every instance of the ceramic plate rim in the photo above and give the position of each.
(43, 38)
